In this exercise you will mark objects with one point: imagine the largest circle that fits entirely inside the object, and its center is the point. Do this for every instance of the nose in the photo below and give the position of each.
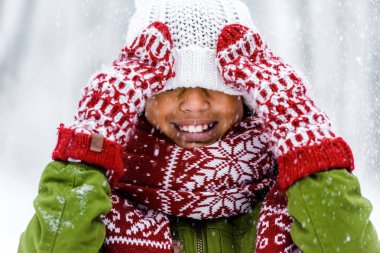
(194, 100)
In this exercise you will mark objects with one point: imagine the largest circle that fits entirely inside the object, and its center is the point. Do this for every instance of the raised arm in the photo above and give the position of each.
(300, 134)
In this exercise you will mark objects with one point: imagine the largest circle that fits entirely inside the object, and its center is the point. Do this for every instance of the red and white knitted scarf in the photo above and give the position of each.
(224, 179)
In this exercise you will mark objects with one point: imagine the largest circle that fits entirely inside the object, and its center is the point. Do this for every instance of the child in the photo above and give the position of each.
(199, 139)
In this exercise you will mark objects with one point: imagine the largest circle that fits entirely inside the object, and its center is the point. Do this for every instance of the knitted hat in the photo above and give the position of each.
(195, 26)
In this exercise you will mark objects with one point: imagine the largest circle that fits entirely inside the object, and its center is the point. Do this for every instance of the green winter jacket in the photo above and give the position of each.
(330, 215)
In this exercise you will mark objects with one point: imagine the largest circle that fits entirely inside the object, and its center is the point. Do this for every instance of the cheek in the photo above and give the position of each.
(239, 108)
(156, 112)
(239, 112)
(151, 112)
(234, 111)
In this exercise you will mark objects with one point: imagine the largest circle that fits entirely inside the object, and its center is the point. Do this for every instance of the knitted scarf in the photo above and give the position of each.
(224, 179)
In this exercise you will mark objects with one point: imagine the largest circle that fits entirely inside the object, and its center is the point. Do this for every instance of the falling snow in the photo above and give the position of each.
(49, 49)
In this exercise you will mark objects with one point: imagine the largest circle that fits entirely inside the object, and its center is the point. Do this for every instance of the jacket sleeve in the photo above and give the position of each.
(331, 215)
(71, 198)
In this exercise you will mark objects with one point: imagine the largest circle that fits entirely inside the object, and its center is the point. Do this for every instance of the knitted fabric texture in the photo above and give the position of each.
(112, 100)
(195, 26)
(300, 133)
(221, 180)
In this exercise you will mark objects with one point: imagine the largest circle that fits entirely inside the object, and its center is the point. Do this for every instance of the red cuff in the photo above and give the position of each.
(78, 146)
(331, 153)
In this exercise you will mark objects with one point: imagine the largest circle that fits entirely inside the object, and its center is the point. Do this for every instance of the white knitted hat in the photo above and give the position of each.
(195, 26)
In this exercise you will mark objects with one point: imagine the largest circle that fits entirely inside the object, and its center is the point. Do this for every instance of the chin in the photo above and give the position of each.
(194, 144)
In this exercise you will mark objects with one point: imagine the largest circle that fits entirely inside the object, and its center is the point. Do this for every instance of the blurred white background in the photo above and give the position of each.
(48, 50)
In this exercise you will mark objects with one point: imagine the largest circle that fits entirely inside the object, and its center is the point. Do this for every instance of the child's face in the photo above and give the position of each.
(194, 117)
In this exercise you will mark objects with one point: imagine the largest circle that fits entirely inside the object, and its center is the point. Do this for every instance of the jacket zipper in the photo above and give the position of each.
(199, 238)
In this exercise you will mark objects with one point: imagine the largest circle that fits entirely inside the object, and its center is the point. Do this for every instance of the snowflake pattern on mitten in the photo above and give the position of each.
(301, 135)
(112, 100)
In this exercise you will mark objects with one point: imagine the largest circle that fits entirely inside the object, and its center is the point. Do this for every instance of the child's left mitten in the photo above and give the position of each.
(301, 136)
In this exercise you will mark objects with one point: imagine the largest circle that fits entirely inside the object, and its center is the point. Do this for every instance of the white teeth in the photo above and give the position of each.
(196, 129)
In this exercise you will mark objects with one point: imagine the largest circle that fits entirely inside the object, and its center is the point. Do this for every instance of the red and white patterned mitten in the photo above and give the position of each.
(301, 135)
(112, 100)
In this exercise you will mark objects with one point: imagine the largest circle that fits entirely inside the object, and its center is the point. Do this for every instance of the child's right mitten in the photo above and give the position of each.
(112, 100)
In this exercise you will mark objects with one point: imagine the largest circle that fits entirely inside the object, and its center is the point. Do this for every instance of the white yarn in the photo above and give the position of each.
(195, 26)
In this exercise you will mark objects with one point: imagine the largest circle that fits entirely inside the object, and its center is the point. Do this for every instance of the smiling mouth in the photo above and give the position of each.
(199, 132)
(196, 128)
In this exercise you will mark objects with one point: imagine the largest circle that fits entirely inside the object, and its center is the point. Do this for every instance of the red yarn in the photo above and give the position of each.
(220, 180)
(300, 134)
(112, 100)
(71, 145)
(307, 160)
